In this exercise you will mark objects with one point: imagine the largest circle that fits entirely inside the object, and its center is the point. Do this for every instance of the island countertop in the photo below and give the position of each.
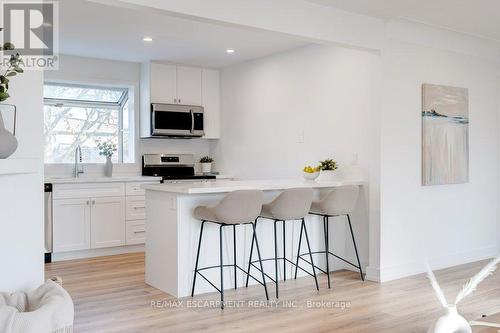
(233, 185)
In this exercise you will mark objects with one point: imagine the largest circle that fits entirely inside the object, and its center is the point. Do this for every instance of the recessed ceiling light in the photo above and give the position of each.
(148, 39)
(230, 51)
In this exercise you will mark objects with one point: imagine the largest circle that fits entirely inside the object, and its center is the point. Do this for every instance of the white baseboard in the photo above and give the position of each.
(372, 274)
(84, 254)
(439, 262)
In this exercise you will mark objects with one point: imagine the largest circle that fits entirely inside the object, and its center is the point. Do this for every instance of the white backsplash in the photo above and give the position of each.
(197, 147)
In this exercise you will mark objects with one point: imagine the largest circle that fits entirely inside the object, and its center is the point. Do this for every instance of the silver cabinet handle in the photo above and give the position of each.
(93, 202)
(192, 120)
(88, 202)
(179, 100)
(140, 207)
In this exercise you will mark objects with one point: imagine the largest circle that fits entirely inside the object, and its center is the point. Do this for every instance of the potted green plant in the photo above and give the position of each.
(107, 149)
(206, 164)
(8, 141)
(327, 169)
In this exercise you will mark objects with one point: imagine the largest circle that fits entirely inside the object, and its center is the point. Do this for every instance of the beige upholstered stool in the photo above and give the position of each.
(292, 204)
(238, 207)
(338, 202)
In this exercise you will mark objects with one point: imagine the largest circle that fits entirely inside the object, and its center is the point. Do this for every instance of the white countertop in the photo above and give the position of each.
(91, 179)
(233, 185)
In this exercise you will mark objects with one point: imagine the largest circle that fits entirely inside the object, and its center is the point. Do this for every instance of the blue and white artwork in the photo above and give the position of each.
(445, 135)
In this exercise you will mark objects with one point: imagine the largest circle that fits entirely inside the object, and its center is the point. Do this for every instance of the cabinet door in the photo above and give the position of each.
(108, 222)
(188, 85)
(163, 83)
(211, 103)
(71, 224)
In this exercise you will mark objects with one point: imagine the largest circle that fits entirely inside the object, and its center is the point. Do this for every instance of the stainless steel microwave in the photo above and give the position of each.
(176, 120)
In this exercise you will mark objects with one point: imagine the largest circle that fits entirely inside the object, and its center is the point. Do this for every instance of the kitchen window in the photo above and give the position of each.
(83, 115)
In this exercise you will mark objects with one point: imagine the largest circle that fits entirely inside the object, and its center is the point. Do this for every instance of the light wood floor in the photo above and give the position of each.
(110, 296)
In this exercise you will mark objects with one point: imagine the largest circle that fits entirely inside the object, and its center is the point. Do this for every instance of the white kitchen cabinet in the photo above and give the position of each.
(163, 83)
(211, 102)
(189, 85)
(107, 222)
(178, 84)
(98, 215)
(136, 232)
(71, 226)
(136, 208)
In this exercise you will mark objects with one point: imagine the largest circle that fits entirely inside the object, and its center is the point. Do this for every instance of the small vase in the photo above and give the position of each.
(8, 142)
(108, 167)
(327, 175)
(452, 321)
(206, 167)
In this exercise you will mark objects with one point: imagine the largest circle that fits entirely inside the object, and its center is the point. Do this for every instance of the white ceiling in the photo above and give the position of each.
(474, 17)
(101, 31)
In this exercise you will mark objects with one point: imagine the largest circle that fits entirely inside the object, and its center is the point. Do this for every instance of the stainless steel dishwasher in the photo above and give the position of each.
(48, 222)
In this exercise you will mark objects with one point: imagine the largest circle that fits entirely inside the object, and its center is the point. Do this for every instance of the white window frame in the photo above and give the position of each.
(112, 105)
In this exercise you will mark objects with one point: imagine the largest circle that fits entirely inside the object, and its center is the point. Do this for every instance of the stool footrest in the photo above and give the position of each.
(218, 266)
(286, 259)
(330, 253)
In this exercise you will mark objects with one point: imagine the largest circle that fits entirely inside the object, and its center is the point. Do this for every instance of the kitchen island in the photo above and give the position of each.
(172, 232)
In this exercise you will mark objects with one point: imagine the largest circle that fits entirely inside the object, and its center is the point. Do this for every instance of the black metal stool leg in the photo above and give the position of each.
(260, 259)
(298, 249)
(234, 256)
(310, 254)
(197, 258)
(284, 252)
(276, 258)
(327, 247)
(355, 248)
(221, 270)
(250, 258)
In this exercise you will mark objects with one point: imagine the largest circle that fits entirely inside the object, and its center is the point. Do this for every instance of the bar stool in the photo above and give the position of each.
(338, 202)
(292, 204)
(236, 208)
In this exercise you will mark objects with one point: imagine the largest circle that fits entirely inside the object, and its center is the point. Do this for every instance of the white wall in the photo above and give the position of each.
(330, 94)
(126, 74)
(448, 224)
(21, 196)
(327, 95)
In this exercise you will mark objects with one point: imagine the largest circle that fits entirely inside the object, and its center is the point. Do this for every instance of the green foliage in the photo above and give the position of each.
(13, 69)
(206, 159)
(328, 164)
(106, 149)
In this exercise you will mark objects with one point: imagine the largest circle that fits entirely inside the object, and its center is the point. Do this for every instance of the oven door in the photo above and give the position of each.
(177, 120)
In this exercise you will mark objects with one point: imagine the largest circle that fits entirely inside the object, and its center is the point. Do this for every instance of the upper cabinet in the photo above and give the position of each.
(189, 85)
(163, 83)
(178, 84)
(211, 102)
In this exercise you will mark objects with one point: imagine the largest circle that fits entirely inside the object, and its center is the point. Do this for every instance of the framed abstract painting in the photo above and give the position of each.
(445, 135)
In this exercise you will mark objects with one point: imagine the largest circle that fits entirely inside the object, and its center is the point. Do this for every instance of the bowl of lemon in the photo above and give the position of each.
(310, 173)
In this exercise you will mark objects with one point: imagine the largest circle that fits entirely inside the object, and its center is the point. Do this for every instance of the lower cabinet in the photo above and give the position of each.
(101, 215)
(107, 222)
(71, 224)
(136, 232)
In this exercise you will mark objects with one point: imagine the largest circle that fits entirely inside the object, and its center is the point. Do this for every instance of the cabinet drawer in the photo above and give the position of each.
(134, 188)
(136, 232)
(92, 190)
(136, 208)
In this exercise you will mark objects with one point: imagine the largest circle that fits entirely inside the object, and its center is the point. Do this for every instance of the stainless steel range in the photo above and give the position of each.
(171, 167)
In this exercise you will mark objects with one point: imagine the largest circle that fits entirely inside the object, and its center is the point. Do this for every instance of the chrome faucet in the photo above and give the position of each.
(78, 160)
